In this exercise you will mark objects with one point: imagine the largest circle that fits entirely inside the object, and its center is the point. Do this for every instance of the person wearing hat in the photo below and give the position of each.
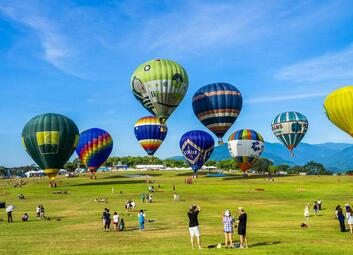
(242, 227)
(194, 225)
(228, 221)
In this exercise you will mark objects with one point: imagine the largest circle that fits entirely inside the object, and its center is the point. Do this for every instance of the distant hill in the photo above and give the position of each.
(334, 156)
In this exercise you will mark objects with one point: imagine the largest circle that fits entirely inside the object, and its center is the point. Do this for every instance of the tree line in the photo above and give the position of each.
(261, 166)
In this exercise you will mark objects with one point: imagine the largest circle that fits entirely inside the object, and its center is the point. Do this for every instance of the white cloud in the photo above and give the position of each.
(334, 66)
(53, 43)
(284, 98)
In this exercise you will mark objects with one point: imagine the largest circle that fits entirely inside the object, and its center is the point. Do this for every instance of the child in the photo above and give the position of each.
(115, 221)
(121, 225)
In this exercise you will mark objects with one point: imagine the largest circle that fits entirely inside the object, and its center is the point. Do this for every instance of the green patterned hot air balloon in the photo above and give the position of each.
(160, 85)
(50, 139)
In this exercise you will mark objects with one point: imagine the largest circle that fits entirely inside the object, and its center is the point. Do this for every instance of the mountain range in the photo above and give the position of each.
(334, 156)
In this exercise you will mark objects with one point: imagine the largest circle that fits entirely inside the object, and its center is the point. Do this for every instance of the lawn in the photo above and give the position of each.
(274, 215)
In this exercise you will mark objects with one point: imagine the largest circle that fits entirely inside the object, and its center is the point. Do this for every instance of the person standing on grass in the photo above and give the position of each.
(340, 217)
(319, 202)
(143, 197)
(350, 219)
(42, 211)
(107, 220)
(228, 221)
(194, 228)
(115, 221)
(141, 218)
(307, 215)
(242, 219)
(316, 208)
(103, 217)
(38, 212)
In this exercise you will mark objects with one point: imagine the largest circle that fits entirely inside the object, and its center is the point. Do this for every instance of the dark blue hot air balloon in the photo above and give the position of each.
(94, 147)
(197, 147)
(217, 106)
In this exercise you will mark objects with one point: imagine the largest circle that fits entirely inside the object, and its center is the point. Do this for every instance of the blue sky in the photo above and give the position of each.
(76, 58)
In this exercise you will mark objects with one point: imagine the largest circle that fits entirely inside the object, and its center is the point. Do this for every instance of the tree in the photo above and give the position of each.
(315, 168)
(262, 165)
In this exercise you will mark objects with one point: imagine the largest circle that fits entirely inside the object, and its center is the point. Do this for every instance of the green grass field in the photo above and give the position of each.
(274, 215)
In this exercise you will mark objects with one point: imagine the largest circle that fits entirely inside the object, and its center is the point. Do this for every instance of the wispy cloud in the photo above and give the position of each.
(55, 46)
(333, 66)
(284, 98)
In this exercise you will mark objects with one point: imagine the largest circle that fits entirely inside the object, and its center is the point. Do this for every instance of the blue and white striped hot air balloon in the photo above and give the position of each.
(290, 128)
(217, 106)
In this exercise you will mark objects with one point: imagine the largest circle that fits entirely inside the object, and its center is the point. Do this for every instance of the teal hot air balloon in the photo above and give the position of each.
(160, 85)
(217, 106)
(290, 128)
(50, 139)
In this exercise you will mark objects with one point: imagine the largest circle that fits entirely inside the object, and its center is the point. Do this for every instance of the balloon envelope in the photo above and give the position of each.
(160, 85)
(50, 139)
(290, 128)
(245, 146)
(339, 108)
(197, 147)
(217, 106)
(150, 133)
(94, 147)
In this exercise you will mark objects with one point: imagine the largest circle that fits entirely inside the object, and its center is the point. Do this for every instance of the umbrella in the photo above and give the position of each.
(10, 208)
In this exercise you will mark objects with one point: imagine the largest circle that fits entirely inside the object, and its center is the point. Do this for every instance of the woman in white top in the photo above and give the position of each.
(307, 215)
(115, 221)
(350, 219)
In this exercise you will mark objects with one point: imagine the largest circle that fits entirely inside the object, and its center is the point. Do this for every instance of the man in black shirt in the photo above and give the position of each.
(242, 228)
(194, 225)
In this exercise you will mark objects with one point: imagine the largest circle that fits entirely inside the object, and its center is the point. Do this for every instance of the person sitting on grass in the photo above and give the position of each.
(25, 217)
(122, 225)
(228, 221)
(241, 222)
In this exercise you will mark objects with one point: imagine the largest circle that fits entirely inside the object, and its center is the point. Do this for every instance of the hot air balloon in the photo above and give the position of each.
(94, 147)
(150, 133)
(160, 85)
(197, 147)
(217, 106)
(245, 146)
(290, 128)
(50, 139)
(339, 108)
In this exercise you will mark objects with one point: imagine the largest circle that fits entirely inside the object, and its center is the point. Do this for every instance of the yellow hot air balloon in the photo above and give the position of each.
(339, 108)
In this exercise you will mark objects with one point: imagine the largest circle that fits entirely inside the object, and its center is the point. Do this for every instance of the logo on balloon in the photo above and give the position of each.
(256, 146)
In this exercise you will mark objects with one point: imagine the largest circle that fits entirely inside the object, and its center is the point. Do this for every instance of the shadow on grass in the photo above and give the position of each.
(110, 183)
(253, 177)
(190, 174)
(264, 243)
(132, 176)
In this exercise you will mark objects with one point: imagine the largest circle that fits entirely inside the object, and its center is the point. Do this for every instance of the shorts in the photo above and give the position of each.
(241, 232)
(194, 231)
